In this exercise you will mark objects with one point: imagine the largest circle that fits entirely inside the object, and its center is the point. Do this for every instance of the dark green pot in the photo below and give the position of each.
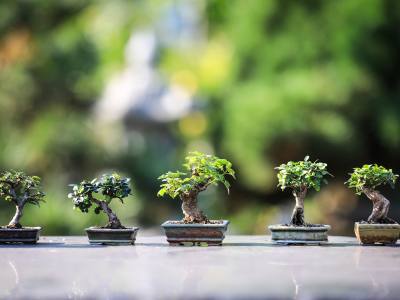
(26, 235)
(112, 236)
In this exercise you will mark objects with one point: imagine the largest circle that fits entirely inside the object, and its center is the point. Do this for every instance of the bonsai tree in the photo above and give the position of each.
(366, 180)
(300, 176)
(100, 193)
(20, 189)
(202, 171)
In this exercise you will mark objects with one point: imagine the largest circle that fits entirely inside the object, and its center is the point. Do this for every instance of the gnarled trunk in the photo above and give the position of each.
(190, 209)
(380, 207)
(298, 211)
(15, 221)
(113, 221)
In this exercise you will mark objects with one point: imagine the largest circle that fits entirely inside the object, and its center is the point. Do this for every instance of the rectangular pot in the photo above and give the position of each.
(26, 235)
(112, 236)
(299, 234)
(195, 234)
(369, 234)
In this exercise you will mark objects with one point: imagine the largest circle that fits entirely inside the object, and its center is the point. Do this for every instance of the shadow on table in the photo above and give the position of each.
(266, 244)
(49, 245)
(152, 244)
(327, 245)
(272, 245)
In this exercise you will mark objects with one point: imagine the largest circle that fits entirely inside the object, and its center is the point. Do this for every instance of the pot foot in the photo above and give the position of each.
(194, 244)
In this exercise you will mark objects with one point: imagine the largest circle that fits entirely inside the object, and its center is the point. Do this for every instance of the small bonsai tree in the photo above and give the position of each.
(100, 193)
(366, 180)
(300, 176)
(20, 189)
(203, 170)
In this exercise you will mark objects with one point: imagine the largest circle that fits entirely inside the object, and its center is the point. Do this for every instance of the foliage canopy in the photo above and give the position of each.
(203, 170)
(110, 186)
(302, 174)
(371, 176)
(20, 188)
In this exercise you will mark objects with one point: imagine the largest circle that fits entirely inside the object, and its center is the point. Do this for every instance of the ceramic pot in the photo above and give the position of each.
(195, 234)
(316, 234)
(26, 235)
(112, 236)
(369, 234)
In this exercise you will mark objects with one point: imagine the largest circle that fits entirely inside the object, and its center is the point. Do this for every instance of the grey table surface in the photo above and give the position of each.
(245, 267)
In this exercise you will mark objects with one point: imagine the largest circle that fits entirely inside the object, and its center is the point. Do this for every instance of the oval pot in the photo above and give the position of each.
(26, 235)
(195, 234)
(369, 234)
(112, 236)
(284, 234)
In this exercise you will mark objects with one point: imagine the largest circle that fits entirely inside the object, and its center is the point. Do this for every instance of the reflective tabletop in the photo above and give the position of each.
(245, 267)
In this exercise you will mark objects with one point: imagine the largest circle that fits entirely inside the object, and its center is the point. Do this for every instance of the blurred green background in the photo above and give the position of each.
(88, 87)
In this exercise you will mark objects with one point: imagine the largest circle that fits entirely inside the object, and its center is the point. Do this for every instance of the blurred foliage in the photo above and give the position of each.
(276, 80)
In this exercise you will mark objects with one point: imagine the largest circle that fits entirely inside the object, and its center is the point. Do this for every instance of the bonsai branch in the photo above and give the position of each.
(380, 207)
(297, 218)
(113, 221)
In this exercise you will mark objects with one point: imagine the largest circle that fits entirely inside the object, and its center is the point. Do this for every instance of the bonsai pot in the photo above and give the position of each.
(285, 234)
(107, 236)
(179, 233)
(369, 234)
(26, 235)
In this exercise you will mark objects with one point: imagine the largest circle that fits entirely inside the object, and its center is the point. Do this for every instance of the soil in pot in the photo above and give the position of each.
(299, 235)
(107, 236)
(25, 235)
(180, 233)
(371, 234)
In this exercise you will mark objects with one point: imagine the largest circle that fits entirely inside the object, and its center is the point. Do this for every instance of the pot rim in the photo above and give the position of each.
(169, 224)
(97, 229)
(376, 226)
(38, 228)
(280, 227)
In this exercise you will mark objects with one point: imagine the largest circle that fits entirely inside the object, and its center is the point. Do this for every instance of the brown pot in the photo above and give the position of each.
(369, 234)
(26, 235)
(112, 236)
(195, 234)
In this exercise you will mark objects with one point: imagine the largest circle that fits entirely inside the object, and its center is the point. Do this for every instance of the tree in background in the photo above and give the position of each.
(302, 82)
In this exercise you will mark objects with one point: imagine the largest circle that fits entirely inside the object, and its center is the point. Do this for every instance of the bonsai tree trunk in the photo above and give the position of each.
(113, 221)
(298, 211)
(15, 221)
(380, 207)
(190, 209)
